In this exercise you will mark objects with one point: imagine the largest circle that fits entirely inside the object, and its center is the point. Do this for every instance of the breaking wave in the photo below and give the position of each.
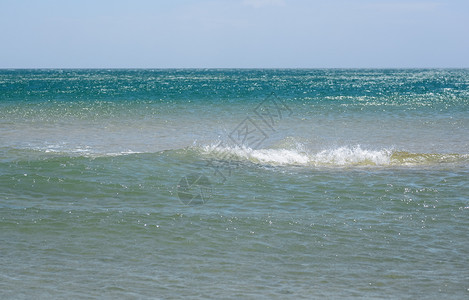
(340, 156)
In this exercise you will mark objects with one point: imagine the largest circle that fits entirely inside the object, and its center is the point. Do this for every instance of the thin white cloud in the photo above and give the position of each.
(263, 3)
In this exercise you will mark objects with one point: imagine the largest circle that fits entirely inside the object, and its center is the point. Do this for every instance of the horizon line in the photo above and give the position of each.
(234, 68)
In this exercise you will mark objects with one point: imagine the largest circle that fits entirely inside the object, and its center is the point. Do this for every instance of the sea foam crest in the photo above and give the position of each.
(352, 156)
(340, 156)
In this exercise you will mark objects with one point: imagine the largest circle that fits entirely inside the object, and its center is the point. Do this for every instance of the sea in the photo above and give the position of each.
(234, 184)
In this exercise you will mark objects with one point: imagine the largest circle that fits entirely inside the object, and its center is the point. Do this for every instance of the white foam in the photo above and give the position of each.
(352, 156)
(341, 156)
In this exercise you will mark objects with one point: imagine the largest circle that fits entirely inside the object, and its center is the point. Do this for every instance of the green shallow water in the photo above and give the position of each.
(361, 192)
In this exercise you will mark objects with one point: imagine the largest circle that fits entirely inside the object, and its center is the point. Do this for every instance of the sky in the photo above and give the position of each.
(234, 34)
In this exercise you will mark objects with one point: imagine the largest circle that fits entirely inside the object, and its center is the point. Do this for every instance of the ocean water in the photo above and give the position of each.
(228, 184)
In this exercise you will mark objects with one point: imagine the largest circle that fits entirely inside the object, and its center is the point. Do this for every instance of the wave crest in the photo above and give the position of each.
(340, 156)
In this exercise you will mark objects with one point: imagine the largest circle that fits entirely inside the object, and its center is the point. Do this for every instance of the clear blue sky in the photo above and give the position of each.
(234, 33)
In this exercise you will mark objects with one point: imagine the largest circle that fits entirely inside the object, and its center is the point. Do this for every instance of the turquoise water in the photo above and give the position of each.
(234, 184)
